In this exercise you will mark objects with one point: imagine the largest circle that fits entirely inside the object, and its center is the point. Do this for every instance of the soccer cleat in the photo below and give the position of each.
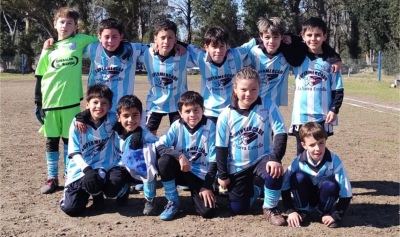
(274, 217)
(305, 218)
(139, 187)
(123, 199)
(50, 186)
(149, 206)
(222, 191)
(99, 202)
(170, 211)
(183, 187)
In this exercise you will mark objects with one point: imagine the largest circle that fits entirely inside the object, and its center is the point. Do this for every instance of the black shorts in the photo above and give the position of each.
(153, 119)
(241, 184)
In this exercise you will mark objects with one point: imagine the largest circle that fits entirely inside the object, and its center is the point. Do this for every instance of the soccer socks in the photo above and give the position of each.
(52, 164)
(171, 193)
(271, 198)
(257, 192)
(66, 160)
(149, 189)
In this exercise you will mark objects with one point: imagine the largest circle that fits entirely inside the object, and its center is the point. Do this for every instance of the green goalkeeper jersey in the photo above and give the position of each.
(61, 71)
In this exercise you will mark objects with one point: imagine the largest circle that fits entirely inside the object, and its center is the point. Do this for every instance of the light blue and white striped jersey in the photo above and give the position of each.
(248, 137)
(167, 79)
(118, 71)
(274, 73)
(216, 81)
(333, 167)
(314, 83)
(122, 144)
(200, 146)
(96, 147)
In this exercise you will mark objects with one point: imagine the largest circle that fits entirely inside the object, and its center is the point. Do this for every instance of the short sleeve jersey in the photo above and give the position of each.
(117, 72)
(199, 147)
(248, 137)
(216, 80)
(274, 73)
(314, 83)
(96, 147)
(61, 71)
(167, 79)
(332, 166)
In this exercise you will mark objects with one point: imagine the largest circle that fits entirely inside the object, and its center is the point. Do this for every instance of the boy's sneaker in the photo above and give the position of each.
(171, 209)
(50, 186)
(123, 199)
(149, 206)
(274, 217)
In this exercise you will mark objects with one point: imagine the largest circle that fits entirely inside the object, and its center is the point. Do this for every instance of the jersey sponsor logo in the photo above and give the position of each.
(221, 82)
(246, 136)
(165, 81)
(93, 148)
(194, 153)
(62, 62)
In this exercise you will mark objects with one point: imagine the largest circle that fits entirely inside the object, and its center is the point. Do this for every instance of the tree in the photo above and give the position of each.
(184, 16)
(222, 13)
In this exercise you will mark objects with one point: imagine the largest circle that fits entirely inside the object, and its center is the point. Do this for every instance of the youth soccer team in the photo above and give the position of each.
(231, 131)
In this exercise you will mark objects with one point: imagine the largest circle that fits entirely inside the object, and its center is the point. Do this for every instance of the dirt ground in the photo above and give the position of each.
(366, 140)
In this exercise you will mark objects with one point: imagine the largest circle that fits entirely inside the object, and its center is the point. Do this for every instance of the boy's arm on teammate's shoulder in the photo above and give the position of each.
(295, 52)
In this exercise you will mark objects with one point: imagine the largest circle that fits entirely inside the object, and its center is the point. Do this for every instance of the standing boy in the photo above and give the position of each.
(316, 178)
(58, 90)
(92, 155)
(272, 59)
(113, 61)
(166, 72)
(192, 160)
(318, 91)
(218, 64)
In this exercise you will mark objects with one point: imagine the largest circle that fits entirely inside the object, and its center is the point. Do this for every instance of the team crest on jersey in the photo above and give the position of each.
(312, 78)
(165, 81)
(222, 82)
(272, 76)
(72, 45)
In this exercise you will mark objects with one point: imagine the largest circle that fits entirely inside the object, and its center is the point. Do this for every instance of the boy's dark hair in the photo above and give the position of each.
(111, 23)
(312, 129)
(99, 91)
(314, 22)
(128, 102)
(67, 12)
(165, 25)
(216, 35)
(190, 98)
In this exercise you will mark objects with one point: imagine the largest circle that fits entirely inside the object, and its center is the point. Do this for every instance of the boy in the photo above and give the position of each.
(318, 91)
(218, 64)
(91, 154)
(113, 61)
(318, 178)
(166, 72)
(192, 159)
(58, 89)
(272, 59)
(129, 141)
